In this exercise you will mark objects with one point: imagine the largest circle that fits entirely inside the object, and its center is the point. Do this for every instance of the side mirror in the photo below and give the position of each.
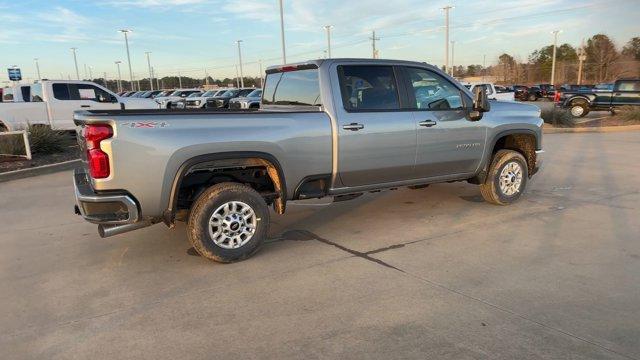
(480, 103)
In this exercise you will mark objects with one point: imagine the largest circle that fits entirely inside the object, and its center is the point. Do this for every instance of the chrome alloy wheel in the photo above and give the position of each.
(577, 111)
(510, 178)
(232, 225)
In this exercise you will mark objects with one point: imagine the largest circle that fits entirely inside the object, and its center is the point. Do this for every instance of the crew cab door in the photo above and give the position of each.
(376, 136)
(447, 143)
(626, 92)
(69, 97)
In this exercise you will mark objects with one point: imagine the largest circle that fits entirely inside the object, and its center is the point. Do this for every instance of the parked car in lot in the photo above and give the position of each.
(334, 127)
(520, 92)
(222, 101)
(251, 101)
(199, 102)
(576, 88)
(492, 91)
(625, 92)
(52, 103)
(151, 94)
(541, 91)
(168, 102)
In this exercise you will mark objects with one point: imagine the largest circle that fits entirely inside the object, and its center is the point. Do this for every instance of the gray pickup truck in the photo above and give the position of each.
(337, 127)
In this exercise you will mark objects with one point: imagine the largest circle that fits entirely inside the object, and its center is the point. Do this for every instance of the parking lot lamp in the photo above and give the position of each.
(328, 28)
(240, 62)
(284, 53)
(119, 76)
(126, 41)
(75, 61)
(38, 69)
(446, 38)
(150, 72)
(453, 63)
(261, 74)
(553, 59)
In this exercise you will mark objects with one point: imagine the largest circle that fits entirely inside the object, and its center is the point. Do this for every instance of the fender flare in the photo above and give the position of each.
(484, 167)
(577, 97)
(281, 186)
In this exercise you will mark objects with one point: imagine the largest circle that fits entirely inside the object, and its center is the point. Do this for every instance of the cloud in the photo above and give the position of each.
(157, 4)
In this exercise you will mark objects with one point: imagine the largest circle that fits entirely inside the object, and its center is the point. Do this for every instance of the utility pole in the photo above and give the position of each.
(75, 61)
(156, 77)
(206, 77)
(582, 56)
(373, 39)
(104, 77)
(446, 38)
(85, 71)
(261, 74)
(150, 72)
(38, 69)
(119, 76)
(179, 80)
(284, 53)
(90, 73)
(126, 41)
(453, 63)
(553, 61)
(484, 66)
(237, 78)
(240, 62)
(328, 28)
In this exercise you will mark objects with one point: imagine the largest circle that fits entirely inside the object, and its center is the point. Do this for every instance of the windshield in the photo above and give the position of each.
(176, 93)
(255, 93)
(230, 93)
(194, 95)
(209, 93)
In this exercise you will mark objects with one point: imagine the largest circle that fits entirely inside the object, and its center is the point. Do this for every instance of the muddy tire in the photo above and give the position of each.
(228, 222)
(506, 179)
(579, 108)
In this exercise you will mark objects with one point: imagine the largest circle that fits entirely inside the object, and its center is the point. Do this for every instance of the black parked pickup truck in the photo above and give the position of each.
(626, 92)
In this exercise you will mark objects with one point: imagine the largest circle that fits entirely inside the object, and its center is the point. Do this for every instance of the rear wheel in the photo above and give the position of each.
(229, 222)
(533, 97)
(507, 178)
(579, 108)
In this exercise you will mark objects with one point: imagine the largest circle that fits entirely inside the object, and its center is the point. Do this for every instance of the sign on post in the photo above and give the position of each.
(15, 74)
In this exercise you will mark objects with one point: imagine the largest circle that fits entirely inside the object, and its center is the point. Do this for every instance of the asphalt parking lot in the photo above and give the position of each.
(430, 273)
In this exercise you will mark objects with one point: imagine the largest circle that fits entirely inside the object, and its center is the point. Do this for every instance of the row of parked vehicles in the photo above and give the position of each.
(226, 98)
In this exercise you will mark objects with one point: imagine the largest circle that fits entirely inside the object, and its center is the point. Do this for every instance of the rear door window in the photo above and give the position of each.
(300, 87)
(368, 87)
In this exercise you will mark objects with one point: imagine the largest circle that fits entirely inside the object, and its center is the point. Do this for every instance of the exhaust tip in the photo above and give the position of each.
(110, 230)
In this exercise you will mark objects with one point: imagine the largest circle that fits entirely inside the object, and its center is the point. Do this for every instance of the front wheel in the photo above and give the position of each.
(532, 97)
(579, 108)
(507, 178)
(229, 222)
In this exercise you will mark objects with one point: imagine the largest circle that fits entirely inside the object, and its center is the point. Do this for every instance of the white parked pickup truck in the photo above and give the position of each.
(492, 92)
(52, 103)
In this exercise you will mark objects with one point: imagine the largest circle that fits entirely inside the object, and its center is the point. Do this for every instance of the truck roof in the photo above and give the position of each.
(320, 62)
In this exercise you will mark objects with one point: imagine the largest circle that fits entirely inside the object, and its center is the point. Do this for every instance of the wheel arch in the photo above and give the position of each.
(243, 158)
(525, 141)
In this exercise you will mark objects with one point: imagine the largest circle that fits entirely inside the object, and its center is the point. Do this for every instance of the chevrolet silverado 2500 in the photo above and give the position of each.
(335, 127)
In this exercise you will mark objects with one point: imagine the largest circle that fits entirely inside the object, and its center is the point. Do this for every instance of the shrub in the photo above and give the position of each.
(45, 140)
(12, 145)
(557, 117)
(630, 113)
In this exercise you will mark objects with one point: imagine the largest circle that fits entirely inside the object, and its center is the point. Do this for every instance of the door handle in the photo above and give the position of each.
(85, 106)
(617, 94)
(353, 127)
(427, 123)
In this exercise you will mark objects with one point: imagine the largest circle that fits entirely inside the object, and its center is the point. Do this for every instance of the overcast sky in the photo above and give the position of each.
(188, 36)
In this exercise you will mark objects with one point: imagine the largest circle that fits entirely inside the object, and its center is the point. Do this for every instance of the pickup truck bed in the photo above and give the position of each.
(336, 127)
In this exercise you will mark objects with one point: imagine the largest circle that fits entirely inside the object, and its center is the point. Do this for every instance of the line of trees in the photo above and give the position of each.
(604, 63)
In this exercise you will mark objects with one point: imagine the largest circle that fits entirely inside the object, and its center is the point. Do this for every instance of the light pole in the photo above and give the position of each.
(126, 41)
(90, 73)
(150, 72)
(240, 62)
(75, 61)
(284, 53)
(237, 78)
(261, 74)
(582, 56)
(484, 66)
(38, 69)
(453, 63)
(446, 38)
(119, 76)
(328, 28)
(553, 61)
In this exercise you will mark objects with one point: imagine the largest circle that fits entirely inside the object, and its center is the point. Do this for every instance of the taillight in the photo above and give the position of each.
(98, 160)
(557, 96)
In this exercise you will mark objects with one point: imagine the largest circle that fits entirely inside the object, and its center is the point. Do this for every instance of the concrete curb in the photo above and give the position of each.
(40, 170)
(554, 130)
